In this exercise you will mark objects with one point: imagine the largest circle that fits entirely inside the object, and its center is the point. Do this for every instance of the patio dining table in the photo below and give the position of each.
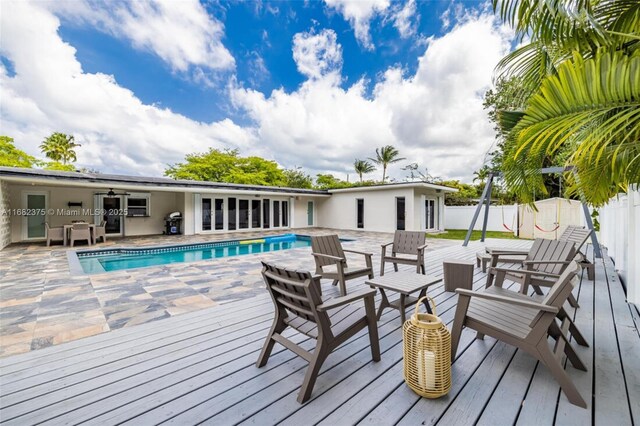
(67, 230)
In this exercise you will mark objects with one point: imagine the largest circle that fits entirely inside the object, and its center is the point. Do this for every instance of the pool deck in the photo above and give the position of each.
(200, 368)
(43, 304)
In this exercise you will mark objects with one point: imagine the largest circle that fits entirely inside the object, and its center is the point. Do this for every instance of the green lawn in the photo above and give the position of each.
(459, 234)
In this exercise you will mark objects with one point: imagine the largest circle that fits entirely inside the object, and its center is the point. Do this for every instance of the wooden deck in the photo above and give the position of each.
(199, 368)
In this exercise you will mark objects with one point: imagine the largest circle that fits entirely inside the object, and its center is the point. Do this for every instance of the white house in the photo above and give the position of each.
(135, 205)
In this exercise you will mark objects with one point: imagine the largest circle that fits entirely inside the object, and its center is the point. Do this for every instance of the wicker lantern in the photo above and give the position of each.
(427, 354)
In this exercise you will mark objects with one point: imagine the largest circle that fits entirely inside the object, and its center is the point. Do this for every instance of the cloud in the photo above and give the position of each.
(434, 116)
(359, 15)
(181, 33)
(405, 19)
(50, 92)
(317, 55)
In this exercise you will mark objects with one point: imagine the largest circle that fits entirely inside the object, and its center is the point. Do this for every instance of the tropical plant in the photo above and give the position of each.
(580, 78)
(60, 147)
(297, 178)
(363, 167)
(329, 181)
(13, 157)
(386, 155)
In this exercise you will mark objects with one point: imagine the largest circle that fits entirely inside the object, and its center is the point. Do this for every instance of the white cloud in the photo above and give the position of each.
(181, 33)
(317, 55)
(359, 14)
(435, 116)
(50, 92)
(405, 19)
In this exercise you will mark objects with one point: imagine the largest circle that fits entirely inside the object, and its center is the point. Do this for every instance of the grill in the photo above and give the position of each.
(173, 223)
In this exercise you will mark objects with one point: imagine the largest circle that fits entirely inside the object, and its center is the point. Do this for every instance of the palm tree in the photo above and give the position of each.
(60, 147)
(362, 167)
(384, 156)
(580, 78)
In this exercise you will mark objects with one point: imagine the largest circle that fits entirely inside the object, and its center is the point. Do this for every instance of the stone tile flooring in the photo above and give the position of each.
(42, 304)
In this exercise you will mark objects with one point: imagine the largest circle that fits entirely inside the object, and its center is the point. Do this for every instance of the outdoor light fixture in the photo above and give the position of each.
(111, 194)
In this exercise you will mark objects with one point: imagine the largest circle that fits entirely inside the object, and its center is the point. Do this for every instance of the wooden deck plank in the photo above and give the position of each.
(611, 405)
(567, 413)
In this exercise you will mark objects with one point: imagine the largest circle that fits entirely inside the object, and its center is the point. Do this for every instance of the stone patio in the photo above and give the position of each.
(43, 304)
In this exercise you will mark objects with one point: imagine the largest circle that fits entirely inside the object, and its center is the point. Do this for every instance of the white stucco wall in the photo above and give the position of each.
(5, 215)
(420, 197)
(339, 211)
(299, 211)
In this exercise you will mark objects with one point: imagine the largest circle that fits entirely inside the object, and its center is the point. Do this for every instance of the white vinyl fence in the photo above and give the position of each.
(620, 233)
(459, 217)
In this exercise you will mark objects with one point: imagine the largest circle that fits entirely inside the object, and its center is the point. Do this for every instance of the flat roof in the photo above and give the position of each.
(101, 180)
(120, 181)
(393, 185)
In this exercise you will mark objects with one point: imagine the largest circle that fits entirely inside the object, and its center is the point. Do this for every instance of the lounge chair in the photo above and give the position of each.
(80, 232)
(297, 300)
(407, 248)
(524, 323)
(100, 232)
(331, 262)
(54, 234)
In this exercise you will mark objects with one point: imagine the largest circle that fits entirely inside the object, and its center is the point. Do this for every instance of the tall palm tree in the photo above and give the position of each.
(60, 147)
(362, 167)
(384, 156)
(580, 74)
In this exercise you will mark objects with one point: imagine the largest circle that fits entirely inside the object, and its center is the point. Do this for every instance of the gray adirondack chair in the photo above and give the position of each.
(331, 262)
(579, 236)
(526, 324)
(297, 300)
(546, 257)
(407, 248)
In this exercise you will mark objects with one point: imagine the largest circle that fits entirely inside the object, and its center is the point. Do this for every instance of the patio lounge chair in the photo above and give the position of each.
(100, 232)
(411, 244)
(54, 234)
(80, 232)
(297, 300)
(526, 324)
(331, 262)
(545, 256)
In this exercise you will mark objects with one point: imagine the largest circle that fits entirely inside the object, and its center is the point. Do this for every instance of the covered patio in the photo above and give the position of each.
(200, 367)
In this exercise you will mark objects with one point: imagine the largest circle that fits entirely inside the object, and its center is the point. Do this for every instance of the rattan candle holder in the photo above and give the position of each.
(427, 353)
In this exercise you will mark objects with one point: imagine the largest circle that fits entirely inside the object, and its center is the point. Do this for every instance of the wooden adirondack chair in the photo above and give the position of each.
(331, 262)
(411, 244)
(545, 256)
(524, 323)
(579, 236)
(298, 304)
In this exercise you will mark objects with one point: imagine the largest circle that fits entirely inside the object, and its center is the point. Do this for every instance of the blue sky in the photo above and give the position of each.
(310, 84)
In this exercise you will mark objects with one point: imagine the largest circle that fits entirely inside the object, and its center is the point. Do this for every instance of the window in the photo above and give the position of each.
(360, 213)
(231, 222)
(430, 212)
(285, 213)
(219, 213)
(138, 205)
(255, 213)
(206, 214)
(400, 213)
(266, 205)
(243, 214)
(276, 214)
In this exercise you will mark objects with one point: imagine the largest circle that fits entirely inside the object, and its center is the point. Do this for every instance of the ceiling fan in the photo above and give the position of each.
(111, 193)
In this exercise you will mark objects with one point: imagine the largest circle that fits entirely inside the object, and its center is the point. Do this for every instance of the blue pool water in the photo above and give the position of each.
(100, 261)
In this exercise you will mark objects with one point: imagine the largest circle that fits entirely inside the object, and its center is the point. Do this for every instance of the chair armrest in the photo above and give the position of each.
(507, 299)
(386, 245)
(549, 262)
(523, 271)
(422, 247)
(344, 300)
(358, 252)
(491, 250)
(326, 256)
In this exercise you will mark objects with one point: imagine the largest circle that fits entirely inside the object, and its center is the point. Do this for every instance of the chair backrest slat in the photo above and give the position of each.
(559, 292)
(295, 292)
(407, 242)
(543, 249)
(329, 245)
(577, 235)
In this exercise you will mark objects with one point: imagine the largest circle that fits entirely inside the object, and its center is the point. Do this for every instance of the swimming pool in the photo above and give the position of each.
(100, 261)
